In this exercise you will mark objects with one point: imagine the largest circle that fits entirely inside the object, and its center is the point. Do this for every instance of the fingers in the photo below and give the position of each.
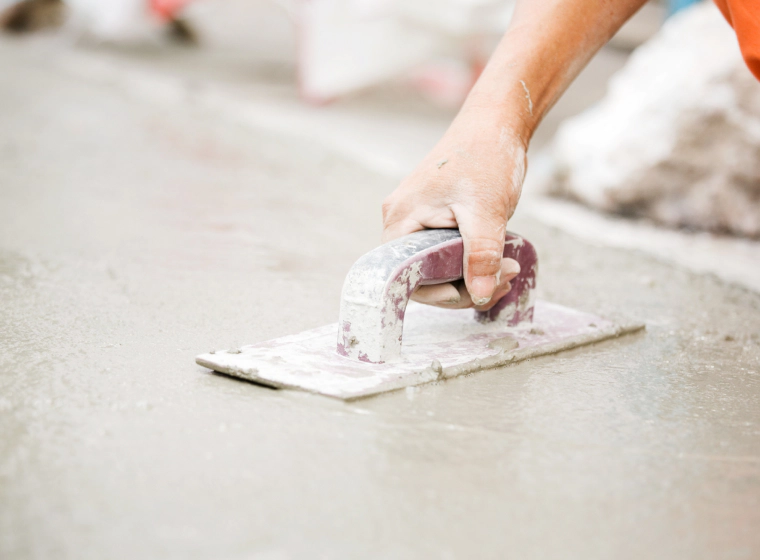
(397, 220)
(483, 235)
(448, 296)
(509, 270)
(456, 296)
(400, 229)
(403, 214)
(397, 224)
(441, 295)
(500, 292)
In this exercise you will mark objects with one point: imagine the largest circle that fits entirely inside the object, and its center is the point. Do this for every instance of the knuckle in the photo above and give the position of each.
(486, 261)
(390, 209)
(387, 208)
(484, 256)
(483, 247)
(494, 205)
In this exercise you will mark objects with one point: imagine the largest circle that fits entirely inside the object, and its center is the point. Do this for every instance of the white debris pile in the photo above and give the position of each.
(677, 138)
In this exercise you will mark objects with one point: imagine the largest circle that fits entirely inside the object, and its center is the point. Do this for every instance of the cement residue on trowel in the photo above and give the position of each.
(438, 344)
(504, 344)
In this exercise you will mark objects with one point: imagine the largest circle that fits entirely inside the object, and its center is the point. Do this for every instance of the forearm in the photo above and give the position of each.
(546, 46)
(472, 178)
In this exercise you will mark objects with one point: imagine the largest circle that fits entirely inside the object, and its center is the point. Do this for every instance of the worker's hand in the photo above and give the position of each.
(471, 180)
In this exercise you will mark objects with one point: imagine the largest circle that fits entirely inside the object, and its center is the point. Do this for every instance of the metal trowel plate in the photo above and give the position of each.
(437, 344)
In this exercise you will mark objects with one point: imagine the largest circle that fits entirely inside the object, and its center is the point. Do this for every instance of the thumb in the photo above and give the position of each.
(483, 236)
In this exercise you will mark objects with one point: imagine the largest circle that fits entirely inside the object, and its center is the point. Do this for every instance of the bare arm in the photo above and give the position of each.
(473, 177)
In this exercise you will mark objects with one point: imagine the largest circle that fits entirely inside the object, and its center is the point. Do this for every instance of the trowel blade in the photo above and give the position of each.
(437, 344)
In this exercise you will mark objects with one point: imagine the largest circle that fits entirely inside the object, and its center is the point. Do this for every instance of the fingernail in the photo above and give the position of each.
(449, 301)
(482, 289)
(511, 267)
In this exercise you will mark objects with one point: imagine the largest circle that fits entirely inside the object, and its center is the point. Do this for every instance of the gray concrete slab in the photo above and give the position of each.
(134, 235)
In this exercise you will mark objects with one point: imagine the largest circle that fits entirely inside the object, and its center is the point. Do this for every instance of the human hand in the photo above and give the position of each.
(472, 181)
(473, 177)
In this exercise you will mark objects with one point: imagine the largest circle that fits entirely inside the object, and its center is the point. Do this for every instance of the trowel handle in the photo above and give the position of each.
(378, 287)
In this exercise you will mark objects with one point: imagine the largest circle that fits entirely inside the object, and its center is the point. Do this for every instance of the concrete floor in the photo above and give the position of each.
(135, 235)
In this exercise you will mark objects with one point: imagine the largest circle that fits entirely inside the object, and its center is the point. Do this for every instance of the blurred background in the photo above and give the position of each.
(381, 79)
(333, 48)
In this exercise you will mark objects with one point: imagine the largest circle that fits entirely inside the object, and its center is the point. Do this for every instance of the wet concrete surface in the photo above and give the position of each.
(135, 236)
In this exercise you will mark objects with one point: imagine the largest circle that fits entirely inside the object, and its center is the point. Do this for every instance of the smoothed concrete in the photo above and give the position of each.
(134, 236)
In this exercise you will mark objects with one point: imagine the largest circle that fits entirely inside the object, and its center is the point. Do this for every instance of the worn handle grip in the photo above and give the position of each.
(379, 285)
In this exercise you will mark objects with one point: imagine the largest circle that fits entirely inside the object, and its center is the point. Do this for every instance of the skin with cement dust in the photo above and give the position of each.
(133, 237)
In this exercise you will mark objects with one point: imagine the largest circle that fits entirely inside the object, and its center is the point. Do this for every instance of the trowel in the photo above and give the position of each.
(383, 342)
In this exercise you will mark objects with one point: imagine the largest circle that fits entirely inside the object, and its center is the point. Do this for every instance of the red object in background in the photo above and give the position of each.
(166, 9)
(744, 16)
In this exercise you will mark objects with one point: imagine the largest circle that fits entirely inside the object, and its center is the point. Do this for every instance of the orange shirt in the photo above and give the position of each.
(744, 16)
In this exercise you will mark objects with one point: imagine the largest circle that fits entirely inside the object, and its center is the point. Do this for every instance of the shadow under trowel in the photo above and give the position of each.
(241, 380)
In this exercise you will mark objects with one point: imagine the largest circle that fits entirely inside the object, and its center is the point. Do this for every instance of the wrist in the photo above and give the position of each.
(500, 115)
(504, 113)
(524, 77)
